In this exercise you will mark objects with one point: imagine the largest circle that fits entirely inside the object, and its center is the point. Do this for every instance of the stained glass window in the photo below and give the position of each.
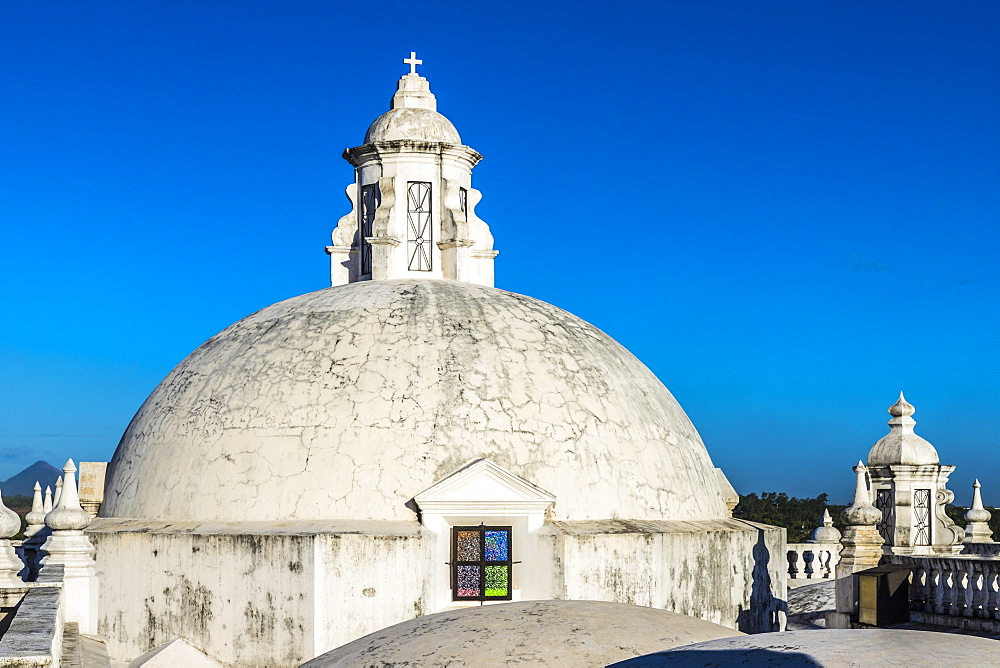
(481, 563)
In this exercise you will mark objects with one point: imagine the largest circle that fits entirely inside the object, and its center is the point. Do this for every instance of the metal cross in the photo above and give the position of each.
(413, 62)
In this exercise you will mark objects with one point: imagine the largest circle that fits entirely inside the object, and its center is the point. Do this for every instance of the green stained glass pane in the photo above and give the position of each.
(497, 581)
(468, 546)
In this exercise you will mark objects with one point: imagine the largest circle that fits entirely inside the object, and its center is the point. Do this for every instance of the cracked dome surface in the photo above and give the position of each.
(412, 123)
(346, 402)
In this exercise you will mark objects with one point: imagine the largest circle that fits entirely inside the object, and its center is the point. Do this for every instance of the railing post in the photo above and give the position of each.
(951, 586)
(978, 590)
(938, 585)
(807, 557)
(992, 585)
(793, 559)
(965, 591)
(926, 604)
(823, 557)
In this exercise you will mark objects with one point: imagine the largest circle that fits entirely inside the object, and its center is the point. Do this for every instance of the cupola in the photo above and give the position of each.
(412, 202)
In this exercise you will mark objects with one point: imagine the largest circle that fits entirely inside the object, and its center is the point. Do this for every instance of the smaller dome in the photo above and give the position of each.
(529, 633)
(412, 123)
(901, 445)
(826, 533)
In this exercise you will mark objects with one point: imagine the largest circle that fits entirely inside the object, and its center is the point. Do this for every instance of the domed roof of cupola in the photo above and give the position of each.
(901, 445)
(413, 115)
(412, 123)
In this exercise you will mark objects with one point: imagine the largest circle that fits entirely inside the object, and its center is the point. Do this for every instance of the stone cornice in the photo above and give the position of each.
(359, 155)
(456, 243)
(387, 241)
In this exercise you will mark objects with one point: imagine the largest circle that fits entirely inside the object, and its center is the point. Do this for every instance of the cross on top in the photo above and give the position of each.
(413, 62)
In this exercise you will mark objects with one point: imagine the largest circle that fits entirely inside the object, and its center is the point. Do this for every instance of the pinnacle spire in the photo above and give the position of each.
(35, 518)
(861, 512)
(68, 515)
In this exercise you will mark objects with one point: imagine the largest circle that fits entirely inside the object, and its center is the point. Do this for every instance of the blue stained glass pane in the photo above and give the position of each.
(497, 546)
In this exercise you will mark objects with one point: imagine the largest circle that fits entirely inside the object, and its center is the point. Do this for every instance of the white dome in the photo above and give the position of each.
(412, 123)
(346, 402)
(901, 445)
(531, 633)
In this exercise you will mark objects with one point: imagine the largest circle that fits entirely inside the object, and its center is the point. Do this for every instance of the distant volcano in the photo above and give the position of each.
(23, 483)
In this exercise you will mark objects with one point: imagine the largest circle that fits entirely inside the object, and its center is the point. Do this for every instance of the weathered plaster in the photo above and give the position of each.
(249, 594)
(728, 571)
(344, 403)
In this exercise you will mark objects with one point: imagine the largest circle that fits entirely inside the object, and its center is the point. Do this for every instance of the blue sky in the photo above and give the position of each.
(787, 210)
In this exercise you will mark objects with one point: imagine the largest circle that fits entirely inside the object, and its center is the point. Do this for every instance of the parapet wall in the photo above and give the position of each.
(729, 572)
(279, 594)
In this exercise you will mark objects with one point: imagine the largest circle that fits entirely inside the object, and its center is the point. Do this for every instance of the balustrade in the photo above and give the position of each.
(960, 587)
(812, 561)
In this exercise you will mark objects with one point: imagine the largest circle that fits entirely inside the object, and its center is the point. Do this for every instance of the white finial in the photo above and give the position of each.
(901, 445)
(10, 563)
(47, 506)
(826, 533)
(59, 487)
(861, 512)
(10, 522)
(36, 518)
(902, 407)
(413, 62)
(977, 513)
(68, 515)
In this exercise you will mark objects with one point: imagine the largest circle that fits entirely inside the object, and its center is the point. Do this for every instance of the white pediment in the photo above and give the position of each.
(482, 486)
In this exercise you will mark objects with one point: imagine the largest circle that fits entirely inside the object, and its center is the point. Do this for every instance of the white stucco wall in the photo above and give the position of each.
(277, 595)
(274, 597)
(729, 572)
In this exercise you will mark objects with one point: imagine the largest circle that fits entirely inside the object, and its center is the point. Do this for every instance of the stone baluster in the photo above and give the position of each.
(10, 565)
(978, 602)
(47, 504)
(923, 591)
(992, 586)
(69, 546)
(59, 489)
(793, 562)
(808, 557)
(862, 549)
(951, 590)
(823, 563)
(965, 591)
(977, 528)
(937, 586)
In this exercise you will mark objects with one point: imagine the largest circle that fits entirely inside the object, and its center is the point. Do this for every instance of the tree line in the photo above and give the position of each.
(801, 516)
